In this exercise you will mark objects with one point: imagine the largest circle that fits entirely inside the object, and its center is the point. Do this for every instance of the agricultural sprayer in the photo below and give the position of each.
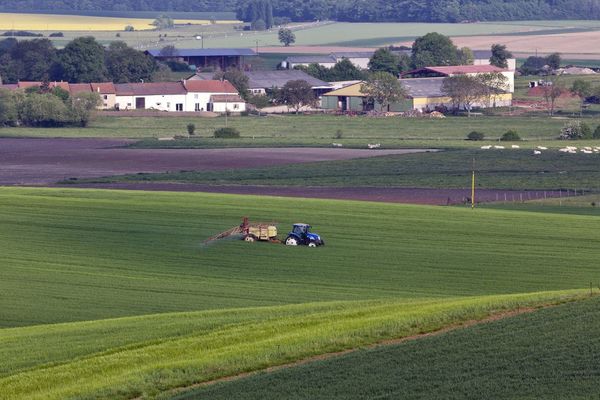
(267, 232)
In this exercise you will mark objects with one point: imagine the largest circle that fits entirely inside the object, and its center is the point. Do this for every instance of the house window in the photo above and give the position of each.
(168, 105)
(197, 108)
(196, 95)
(236, 106)
(178, 107)
(105, 97)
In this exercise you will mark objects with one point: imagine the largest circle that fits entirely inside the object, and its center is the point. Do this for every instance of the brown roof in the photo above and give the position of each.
(9, 86)
(103, 87)
(148, 89)
(52, 85)
(80, 87)
(209, 86)
(226, 98)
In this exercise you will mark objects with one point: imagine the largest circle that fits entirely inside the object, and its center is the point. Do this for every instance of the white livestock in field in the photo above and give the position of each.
(542, 148)
(536, 152)
(486, 147)
(515, 146)
(336, 144)
(374, 146)
(499, 147)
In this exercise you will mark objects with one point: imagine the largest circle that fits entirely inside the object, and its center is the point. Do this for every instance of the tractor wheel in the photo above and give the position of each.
(250, 238)
(291, 241)
(312, 244)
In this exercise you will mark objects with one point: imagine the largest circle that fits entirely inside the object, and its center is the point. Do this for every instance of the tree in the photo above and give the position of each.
(82, 60)
(464, 90)
(582, 89)
(163, 22)
(434, 49)
(44, 110)
(553, 88)
(384, 88)
(237, 78)
(82, 105)
(492, 84)
(286, 36)
(296, 94)
(169, 51)
(500, 56)
(383, 60)
(8, 108)
(553, 61)
(465, 56)
(125, 64)
(344, 70)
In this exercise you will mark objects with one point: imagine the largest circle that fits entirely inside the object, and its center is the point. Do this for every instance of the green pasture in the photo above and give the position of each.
(101, 254)
(111, 294)
(313, 130)
(581, 205)
(548, 354)
(509, 169)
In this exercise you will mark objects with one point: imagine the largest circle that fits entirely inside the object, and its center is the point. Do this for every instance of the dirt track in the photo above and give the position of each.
(46, 161)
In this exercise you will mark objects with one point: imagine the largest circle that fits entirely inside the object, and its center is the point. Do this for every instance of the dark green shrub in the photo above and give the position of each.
(586, 131)
(56, 34)
(191, 128)
(339, 134)
(227, 133)
(510, 136)
(575, 130)
(596, 134)
(475, 136)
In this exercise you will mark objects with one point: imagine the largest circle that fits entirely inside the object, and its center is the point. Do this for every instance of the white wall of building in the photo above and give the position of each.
(231, 107)
(162, 102)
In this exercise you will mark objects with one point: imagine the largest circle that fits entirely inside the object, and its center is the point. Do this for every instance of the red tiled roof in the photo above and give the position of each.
(226, 98)
(209, 86)
(465, 69)
(80, 87)
(103, 87)
(150, 88)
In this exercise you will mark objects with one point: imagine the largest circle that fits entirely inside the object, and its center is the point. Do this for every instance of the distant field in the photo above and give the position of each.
(195, 313)
(496, 169)
(45, 22)
(548, 354)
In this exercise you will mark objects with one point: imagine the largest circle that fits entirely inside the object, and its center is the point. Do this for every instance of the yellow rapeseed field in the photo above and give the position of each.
(42, 22)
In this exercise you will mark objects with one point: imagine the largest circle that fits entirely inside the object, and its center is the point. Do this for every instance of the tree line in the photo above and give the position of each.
(345, 10)
(81, 60)
(47, 107)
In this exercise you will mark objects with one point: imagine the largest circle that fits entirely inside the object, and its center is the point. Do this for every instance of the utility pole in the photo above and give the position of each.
(473, 186)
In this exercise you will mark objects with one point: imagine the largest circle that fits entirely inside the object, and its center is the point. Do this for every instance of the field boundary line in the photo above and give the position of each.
(388, 342)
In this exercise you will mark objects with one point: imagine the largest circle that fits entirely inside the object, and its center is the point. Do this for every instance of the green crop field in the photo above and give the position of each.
(509, 169)
(531, 356)
(315, 130)
(110, 294)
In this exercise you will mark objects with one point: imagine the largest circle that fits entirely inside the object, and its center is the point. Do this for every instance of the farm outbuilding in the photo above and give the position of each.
(424, 94)
(205, 58)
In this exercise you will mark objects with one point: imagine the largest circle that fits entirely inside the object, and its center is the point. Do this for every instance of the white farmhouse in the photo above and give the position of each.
(212, 95)
(162, 96)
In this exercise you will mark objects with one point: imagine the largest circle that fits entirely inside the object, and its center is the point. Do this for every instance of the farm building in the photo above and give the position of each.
(471, 70)
(482, 57)
(212, 95)
(424, 94)
(360, 59)
(260, 82)
(207, 58)
(190, 96)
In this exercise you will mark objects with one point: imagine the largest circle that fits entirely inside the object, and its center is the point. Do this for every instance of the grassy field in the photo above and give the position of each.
(46, 22)
(93, 256)
(548, 354)
(319, 130)
(496, 169)
(580, 205)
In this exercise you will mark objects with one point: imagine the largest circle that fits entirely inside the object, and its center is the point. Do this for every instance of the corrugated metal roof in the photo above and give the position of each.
(482, 54)
(464, 69)
(209, 86)
(269, 79)
(150, 88)
(353, 54)
(207, 53)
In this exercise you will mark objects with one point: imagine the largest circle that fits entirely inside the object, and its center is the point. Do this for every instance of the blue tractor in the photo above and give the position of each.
(302, 236)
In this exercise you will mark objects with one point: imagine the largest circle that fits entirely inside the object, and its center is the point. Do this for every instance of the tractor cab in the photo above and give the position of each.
(301, 235)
